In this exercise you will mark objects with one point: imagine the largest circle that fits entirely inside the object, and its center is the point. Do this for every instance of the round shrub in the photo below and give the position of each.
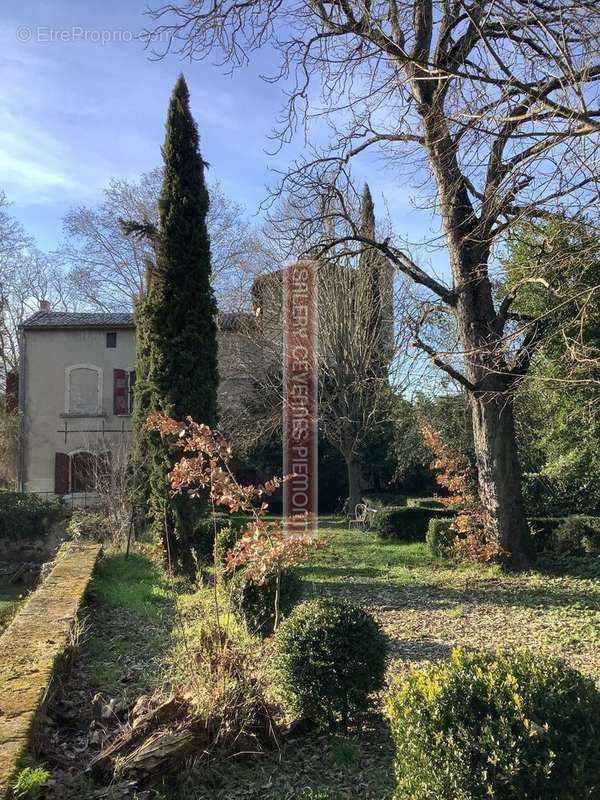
(330, 656)
(440, 537)
(512, 726)
(225, 540)
(255, 604)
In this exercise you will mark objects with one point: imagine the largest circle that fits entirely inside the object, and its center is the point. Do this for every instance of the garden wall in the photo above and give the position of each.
(31, 648)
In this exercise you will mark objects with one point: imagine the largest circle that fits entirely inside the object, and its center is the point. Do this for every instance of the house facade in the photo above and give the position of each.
(75, 396)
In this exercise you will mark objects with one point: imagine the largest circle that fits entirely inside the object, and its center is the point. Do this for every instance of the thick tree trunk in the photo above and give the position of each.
(500, 474)
(486, 372)
(354, 481)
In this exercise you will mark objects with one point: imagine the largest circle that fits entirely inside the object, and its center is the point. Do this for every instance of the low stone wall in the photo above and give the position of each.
(31, 648)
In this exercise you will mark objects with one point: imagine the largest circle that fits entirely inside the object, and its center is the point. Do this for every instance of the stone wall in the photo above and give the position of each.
(31, 649)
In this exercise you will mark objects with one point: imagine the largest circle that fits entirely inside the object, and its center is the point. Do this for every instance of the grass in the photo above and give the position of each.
(129, 622)
(29, 783)
(427, 606)
(11, 597)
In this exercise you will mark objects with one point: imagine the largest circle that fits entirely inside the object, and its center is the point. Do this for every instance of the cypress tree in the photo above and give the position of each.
(176, 326)
(374, 293)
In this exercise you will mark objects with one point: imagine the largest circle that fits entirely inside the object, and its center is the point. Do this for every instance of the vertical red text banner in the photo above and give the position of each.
(300, 381)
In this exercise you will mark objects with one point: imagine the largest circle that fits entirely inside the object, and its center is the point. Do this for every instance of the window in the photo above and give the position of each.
(123, 387)
(83, 390)
(83, 472)
(111, 339)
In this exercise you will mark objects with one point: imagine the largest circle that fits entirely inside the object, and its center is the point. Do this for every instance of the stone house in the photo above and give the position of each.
(75, 391)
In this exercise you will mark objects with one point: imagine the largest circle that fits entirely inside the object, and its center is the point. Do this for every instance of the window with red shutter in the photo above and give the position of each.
(120, 392)
(62, 468)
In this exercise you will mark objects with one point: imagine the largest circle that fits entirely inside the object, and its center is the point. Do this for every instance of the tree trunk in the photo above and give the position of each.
(499, 474)
(354, 481)
(488, 378)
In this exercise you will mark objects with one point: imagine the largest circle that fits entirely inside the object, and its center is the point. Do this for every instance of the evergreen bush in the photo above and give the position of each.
(225, 540)
(330, 657)
(440, 537)
(255, 604)
(26, 516)
(512, 726)
(578, 535)
(408, 523)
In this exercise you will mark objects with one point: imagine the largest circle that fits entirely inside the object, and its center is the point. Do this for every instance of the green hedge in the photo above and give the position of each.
(225, 541)
(330, 656)
(425, 502)
(384, 499)
(440, 537)
(508, 726)
(575, 535)
(407, 524)
(26, 516)
(204, 534)
(255, 604)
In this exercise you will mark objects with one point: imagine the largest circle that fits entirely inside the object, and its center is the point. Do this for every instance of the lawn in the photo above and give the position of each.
(11, 596)
(136, 616)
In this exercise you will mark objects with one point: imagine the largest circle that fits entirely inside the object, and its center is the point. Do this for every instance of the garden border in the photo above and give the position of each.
(31, 648)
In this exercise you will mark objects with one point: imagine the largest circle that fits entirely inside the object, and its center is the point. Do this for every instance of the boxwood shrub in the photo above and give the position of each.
(512, 726)
(425, 502)
(225, 540)
(26, 516)
(408, 524)
(543, 531)
(575, 535)
(578, 535)
(330, 656)
(440, 537)
(255, 604)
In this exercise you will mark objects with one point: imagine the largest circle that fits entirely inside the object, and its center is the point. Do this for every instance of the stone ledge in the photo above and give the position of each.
(31, 647)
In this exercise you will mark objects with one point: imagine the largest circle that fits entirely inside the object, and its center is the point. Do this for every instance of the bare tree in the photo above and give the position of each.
(107, 268)
(27, 276)
(496, 104)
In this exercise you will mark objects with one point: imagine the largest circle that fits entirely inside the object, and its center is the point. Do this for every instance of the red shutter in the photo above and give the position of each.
(131, 389)
(120, 392)
(62, 464)
(12, 392)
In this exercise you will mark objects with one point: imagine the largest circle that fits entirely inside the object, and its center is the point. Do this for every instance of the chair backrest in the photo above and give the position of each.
(360, 511)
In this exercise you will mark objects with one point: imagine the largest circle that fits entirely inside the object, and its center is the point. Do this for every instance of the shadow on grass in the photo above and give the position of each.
(129, 616)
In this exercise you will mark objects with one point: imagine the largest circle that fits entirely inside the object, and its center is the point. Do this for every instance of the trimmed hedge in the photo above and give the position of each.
(578, 535)
(407, 524)
(574, 535)
(26, 516)
(384, 499)
(425, 502)
(330, 657)
(512, 726)
(440, 537)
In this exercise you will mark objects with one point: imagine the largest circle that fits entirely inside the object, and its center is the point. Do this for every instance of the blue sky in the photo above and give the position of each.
(75, 111)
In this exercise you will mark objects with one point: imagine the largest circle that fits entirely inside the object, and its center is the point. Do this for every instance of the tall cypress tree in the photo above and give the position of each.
(374, 293)
(177, 334)
(374, 309)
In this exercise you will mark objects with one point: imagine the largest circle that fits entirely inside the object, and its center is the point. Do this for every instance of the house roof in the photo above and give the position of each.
(69, 319)
(56, 320)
